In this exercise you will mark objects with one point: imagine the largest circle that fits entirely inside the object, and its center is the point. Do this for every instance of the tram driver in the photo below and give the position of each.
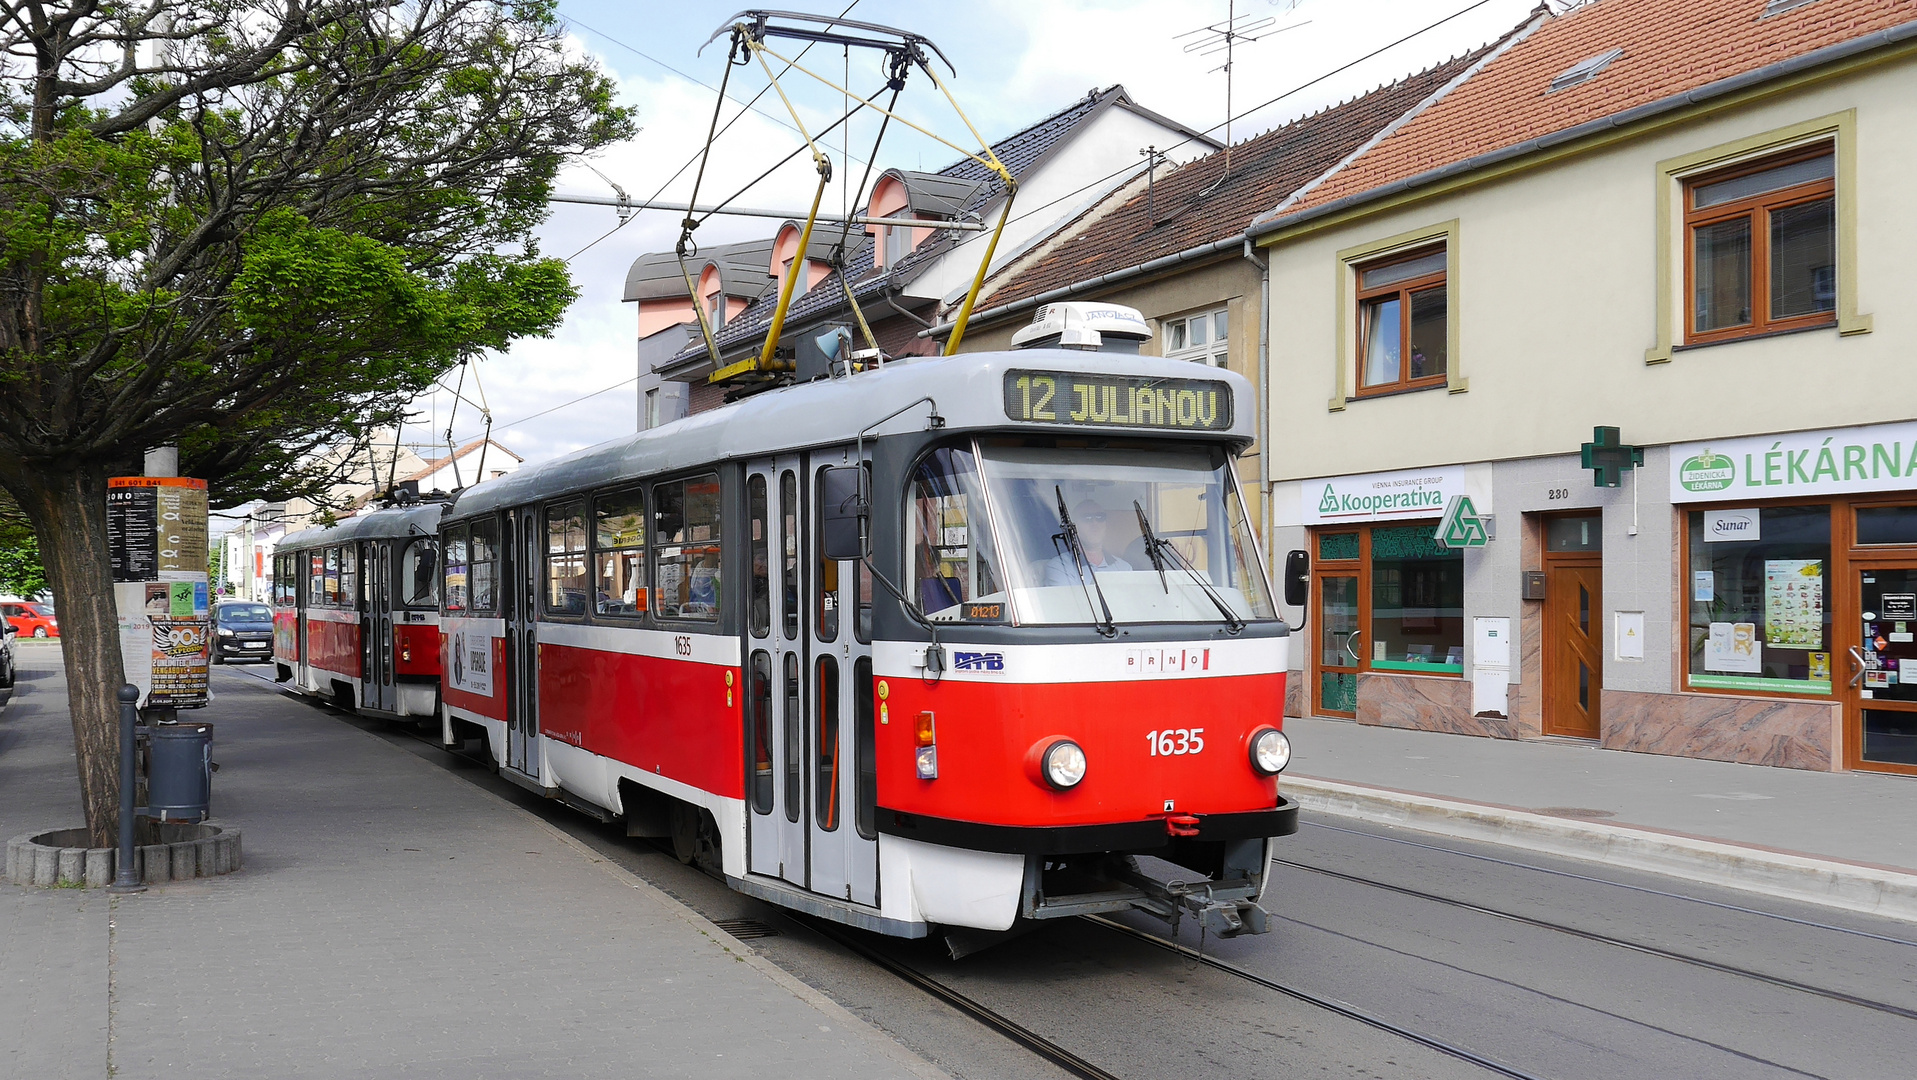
(1091, 520)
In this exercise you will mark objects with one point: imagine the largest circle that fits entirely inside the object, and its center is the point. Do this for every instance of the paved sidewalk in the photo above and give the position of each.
(391, 920)
(1834, 838)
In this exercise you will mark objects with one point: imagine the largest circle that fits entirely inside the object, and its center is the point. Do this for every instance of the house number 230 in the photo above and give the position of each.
(1175, 741)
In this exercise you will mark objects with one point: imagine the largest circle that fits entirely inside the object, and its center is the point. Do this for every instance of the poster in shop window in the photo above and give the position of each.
(1794, 603)
(1733, 647)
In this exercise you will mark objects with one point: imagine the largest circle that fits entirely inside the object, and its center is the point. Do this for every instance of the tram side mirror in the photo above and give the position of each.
(843, 514)
(1297, 578)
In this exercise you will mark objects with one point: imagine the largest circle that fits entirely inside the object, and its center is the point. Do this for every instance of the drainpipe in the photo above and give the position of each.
(1263, 263)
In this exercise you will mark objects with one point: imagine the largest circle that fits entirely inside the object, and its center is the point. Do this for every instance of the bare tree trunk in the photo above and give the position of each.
(67, 505)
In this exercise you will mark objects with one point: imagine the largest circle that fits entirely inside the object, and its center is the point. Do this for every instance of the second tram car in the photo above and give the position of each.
(965, 667)
(356, 612)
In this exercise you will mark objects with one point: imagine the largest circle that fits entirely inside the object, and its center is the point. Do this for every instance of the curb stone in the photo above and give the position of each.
(48, 859)
(1874, 890)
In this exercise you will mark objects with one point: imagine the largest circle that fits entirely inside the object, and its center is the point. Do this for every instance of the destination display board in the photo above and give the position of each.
(1132, 401)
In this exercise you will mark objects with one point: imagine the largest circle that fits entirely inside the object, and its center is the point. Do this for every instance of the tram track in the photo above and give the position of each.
(1606, 939)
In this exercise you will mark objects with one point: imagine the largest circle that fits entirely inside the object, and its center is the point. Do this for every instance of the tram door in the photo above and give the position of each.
(520, 591)
(776, 657)
(303, 571)
(807, 673)
(376, 627)
(840, 752)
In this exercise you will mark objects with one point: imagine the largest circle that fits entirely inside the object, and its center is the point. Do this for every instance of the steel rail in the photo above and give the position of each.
(1618, 884)
(1606, 939)
(1350, 1012)
(997, 1021)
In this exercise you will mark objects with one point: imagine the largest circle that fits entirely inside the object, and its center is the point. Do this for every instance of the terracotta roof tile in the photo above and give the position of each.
(1185, 209)
(1669, 47)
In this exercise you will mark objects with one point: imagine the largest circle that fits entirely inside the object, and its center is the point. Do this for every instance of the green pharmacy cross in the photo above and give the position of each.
(1607, 457)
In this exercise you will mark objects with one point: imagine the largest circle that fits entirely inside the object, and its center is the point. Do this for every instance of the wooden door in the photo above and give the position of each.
(1573, 646)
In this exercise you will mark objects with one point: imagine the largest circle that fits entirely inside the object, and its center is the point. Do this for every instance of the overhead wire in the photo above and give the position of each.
(1027, 212)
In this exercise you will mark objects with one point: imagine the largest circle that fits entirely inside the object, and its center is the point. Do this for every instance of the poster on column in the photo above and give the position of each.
(1794, 603)
(156, 535)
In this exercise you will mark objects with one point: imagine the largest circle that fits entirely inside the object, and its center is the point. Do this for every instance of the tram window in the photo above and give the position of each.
(456, 572)
(825, 786)
(483, 564)
(566, 582)
(825, 612)
(619, 540)
(687, 548)
(865, 749)
(759, 712)
(761, 602)
(952, 556)
(419, 573)
(789, 558)
(792, 739)
(331, 581)
(316, 578)
(349, 577)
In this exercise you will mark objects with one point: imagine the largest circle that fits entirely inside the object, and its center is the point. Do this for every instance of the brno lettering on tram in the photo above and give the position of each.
(356, 612)
(944, 644)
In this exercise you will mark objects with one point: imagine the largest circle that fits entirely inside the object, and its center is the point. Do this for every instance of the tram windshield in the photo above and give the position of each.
(1160, 535)
(418, 584)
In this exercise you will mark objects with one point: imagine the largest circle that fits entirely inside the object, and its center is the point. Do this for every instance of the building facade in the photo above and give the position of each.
(1688, 222)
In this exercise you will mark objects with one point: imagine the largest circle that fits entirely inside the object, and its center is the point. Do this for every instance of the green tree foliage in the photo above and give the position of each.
(255, 228)
(20, 571)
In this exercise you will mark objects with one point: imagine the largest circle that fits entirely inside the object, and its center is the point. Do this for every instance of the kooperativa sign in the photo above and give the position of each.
(1412, 493)
(1882, 457)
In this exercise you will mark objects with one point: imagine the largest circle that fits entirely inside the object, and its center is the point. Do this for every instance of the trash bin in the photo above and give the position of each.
(179, 777)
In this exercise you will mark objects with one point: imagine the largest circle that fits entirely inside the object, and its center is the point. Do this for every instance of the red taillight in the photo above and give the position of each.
(926, 757)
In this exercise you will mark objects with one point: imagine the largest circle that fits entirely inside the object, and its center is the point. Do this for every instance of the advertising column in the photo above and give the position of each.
(156, 529)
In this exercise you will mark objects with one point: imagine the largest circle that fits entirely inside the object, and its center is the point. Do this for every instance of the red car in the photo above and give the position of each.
(33, 620)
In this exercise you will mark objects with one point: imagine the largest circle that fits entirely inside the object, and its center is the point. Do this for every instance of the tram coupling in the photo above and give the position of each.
(1222, 889)
(1228, 915)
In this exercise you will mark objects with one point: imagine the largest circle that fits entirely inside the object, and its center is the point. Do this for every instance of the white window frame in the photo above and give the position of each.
(1212, 351)
(897, 238)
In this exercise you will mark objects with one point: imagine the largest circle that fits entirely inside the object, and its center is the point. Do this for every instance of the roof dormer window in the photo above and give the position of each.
(1584, 70)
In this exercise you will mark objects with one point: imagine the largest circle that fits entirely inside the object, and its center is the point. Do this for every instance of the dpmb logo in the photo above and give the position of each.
(1706, 472)
(978, 661)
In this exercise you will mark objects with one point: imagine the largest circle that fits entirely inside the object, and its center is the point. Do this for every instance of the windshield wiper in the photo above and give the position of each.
(1151, 546)
(1162, 550)
(1107, 626)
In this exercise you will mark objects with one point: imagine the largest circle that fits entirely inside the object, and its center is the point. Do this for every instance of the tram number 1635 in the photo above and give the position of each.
(1173, 742)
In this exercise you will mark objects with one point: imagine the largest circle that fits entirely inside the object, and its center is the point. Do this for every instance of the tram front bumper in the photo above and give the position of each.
(1141, 835)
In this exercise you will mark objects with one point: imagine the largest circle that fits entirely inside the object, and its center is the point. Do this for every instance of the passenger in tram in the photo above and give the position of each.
(1090, 519)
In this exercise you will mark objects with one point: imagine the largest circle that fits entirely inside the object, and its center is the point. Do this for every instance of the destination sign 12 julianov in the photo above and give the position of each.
(1070, 397)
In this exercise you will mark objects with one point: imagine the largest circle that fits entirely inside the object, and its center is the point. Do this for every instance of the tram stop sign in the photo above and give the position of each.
(1462, 526)
(1607, 457)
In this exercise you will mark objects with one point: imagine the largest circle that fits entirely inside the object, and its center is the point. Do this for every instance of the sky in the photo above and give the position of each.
(1016, 62)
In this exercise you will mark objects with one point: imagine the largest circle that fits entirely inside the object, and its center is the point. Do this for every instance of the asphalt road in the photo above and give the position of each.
(1541, 994)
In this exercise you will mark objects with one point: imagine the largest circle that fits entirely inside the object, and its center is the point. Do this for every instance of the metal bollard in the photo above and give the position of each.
(125, 880)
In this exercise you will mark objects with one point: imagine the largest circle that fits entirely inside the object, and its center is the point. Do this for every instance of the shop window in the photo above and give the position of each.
(1887, 525)
(1403, 322)
(1417, 602)
(619, 546)
(1389, 599)
(1760, 615)
(686, 548)
(1761, 254)
(1204, 338)
(566, 580)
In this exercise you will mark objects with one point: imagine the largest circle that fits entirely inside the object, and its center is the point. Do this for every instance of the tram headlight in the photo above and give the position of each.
(1064, 764)
(1270, 751)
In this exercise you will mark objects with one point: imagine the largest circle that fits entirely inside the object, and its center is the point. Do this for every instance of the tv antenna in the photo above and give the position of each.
(1225, 37)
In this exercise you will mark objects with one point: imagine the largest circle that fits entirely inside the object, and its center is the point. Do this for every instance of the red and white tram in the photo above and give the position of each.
(1059, 652)
(356, 612)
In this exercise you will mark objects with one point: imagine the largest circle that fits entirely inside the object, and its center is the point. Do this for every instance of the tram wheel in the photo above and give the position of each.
(695, 837)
